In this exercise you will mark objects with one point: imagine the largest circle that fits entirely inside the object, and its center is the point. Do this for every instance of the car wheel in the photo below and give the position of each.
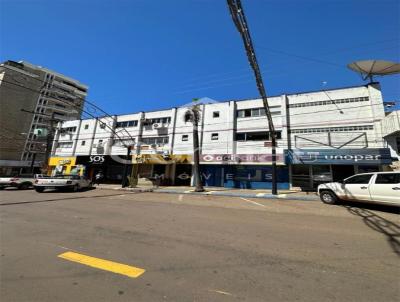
(39, 190)
(75, 188)
(24, 186)
(328, 197)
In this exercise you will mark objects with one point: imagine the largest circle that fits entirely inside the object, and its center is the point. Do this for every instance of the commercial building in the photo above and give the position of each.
(42, 92)
(322, 136)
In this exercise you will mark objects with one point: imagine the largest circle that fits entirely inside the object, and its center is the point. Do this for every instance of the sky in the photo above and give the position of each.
(149, 55)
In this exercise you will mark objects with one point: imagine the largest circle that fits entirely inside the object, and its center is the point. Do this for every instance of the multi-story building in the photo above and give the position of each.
(390, 126)
(43, 95)
(322, 136)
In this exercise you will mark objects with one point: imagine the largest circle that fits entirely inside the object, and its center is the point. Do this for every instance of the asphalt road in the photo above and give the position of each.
(195, 248)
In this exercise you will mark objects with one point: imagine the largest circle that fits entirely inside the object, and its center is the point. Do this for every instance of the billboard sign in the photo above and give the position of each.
(240, 158)
(367, 156)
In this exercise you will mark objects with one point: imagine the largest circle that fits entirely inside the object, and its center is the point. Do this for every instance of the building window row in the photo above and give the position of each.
(64, 145)
(254, 112)
(123, 142)
(330, 102)
(161, 140)
(333, 129)
(126, 124)
(161, 120)
(68, 129)
(257, 136)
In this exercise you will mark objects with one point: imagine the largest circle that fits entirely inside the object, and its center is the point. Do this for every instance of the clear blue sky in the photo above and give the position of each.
(145, 55)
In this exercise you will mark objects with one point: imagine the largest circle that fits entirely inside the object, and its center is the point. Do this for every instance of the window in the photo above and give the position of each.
(333, 129)
(254, 112)
(126, 124)
(124, 142)
(215, 114)
(83, 143)
(185, 138)
(161, 120)
(359, 179)
(86, 126)
(161, 140)
(68, 129)
(338, 101)
(214, 136)
(256, 136)
(64, 145)
(388, 178)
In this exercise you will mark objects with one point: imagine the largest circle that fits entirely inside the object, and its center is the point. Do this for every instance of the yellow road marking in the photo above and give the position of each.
(115, 267)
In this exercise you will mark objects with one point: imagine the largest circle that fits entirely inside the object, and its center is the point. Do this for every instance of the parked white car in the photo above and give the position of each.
(378, 187)
(23, 181)
(73, 182)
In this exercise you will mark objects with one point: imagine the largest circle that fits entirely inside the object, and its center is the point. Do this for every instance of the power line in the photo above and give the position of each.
(259, 118)
(65, 102)
(84, 100)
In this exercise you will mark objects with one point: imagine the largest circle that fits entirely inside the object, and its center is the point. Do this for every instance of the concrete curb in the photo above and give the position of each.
(244, 195)
(219, 193)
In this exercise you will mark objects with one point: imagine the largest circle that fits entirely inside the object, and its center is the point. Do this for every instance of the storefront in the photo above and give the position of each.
(112, 167)
(246, 171)
(168, 169)
(311, 167)
(64, 165)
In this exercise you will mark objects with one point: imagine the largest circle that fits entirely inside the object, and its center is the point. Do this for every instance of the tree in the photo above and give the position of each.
(193, 115)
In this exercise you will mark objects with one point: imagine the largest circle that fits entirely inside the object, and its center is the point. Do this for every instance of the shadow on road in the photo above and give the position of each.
(65, 198)
(390, 229)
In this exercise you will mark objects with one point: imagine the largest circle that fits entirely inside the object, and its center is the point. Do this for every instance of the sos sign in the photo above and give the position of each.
(96, 159)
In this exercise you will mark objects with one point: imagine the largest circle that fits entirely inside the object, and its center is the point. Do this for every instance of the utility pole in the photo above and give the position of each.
(239, 19)
(193, 116)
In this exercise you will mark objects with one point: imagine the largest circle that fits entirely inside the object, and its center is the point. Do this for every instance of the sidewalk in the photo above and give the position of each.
(219, 191)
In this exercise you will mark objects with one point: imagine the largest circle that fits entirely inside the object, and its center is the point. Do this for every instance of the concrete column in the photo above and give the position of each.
(76, 141)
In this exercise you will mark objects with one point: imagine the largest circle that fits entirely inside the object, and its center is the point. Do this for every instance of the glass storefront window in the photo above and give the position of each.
(367, 169)
(321, 173)
(301, 176)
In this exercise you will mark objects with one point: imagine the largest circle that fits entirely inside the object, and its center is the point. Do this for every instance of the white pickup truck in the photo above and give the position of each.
(73, 182)
(22, 182)
(378, 187)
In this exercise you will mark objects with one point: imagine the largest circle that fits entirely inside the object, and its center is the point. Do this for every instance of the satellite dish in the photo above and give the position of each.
(370, 68)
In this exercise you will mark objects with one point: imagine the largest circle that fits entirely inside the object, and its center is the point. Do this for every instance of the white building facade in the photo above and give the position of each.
(322, 136)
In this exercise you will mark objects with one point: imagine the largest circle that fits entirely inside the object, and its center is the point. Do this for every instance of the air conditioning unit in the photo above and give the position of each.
(157, 126)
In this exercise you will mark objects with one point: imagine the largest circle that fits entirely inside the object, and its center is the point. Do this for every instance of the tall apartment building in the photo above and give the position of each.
(322, 136)
(39, 90)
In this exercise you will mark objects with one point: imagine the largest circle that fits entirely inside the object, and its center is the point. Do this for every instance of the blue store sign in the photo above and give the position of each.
(377, 156)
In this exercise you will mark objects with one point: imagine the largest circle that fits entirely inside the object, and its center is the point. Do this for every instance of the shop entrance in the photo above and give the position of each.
(340, 172)
(183, 175)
